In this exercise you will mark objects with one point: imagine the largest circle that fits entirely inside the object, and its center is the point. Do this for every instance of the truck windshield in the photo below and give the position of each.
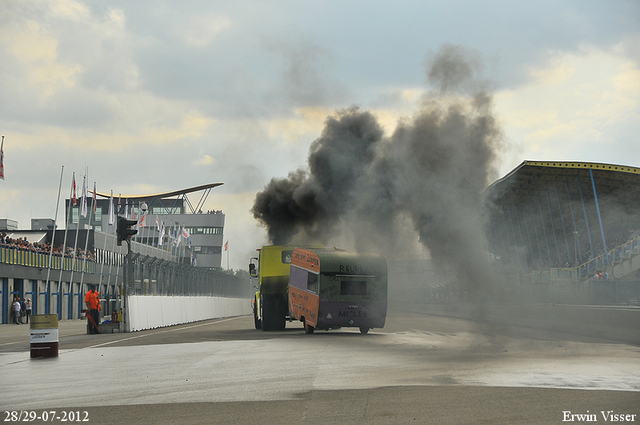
(286, 256)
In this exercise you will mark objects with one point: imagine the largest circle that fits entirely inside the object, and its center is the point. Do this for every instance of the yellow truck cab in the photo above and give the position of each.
(269, 273)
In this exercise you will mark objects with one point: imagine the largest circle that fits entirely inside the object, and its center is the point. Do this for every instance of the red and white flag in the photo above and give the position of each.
(141, 224)
(75, 198)
(2, 159)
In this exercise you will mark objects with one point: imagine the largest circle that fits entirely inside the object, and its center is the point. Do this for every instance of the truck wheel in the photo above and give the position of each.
(280, 312)
(308, 329)
(256, 322)
(364, 330)
(267, 312)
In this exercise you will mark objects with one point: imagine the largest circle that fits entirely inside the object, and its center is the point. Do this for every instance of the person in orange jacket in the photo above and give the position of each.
(92, 300)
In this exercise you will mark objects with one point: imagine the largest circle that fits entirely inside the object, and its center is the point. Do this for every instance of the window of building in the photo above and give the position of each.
(166, 210)
(206, 230)
(207, 249)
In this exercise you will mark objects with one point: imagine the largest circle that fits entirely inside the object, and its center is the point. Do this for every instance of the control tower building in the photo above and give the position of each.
(171, 222)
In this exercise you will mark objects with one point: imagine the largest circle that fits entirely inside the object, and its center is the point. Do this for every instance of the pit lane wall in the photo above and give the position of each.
(149, 312)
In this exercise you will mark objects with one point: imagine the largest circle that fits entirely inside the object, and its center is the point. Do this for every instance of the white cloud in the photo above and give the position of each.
(576, 107)
(304, 123)
(205, 160)
(201, 30)
(35, 51)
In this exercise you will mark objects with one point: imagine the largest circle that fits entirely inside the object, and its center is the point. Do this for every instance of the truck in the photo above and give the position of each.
(334, 288)
(269, 274)
(351, 288)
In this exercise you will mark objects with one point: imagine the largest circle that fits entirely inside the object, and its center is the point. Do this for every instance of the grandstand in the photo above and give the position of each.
(568, 222)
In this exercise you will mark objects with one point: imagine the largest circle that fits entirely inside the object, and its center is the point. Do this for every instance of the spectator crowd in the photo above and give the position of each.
(25, 245)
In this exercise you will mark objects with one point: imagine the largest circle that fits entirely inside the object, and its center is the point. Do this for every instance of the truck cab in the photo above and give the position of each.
(269, 274)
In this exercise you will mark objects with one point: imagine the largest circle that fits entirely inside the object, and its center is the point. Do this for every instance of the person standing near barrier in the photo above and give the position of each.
(27, 309)
(16, 311)
(92, 300)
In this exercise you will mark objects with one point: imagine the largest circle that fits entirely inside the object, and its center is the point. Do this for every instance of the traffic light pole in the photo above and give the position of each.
(124, 233)
(127, 275)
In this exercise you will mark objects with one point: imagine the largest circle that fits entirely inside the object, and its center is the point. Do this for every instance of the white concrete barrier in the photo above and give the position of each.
(149, 312)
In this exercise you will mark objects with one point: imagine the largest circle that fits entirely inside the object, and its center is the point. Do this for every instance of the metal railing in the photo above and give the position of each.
(156, 276)
(29, 258)
(589, 268)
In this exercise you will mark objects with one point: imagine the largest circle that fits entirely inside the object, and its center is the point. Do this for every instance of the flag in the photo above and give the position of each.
(2, 159)
(126, 210)
(83, 210)
(160, 233)
(112, 216)
(141, 222)
(226, 246)
(75, 197)
(158, 223)
(95, 200)
(178, 236)
(186, 235)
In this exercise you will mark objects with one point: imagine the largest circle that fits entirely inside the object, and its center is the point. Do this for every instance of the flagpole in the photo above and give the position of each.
(75, 244)
(53, 231)
(144, 224)
(184, 246)
(106, 233)
(66, 227)
(111, 218)
(86, 241)
(143, 221)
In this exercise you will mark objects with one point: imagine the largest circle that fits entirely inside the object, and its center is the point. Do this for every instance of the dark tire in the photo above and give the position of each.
(268, 312)
(364, 330)
(256, 322)
(308, 329)
(280, 312)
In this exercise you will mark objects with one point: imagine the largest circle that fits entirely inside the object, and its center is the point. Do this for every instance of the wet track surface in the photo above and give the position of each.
(418, 369)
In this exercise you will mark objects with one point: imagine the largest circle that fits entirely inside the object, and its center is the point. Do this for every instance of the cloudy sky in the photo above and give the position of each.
(151, 96)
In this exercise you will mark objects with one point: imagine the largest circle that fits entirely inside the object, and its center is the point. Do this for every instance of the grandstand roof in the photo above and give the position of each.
(532, 178)
(179, 192)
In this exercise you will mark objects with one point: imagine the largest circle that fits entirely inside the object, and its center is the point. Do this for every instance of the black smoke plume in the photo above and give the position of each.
(364, 187)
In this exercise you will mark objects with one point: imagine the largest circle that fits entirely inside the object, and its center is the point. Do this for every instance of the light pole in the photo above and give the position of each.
(576, 235)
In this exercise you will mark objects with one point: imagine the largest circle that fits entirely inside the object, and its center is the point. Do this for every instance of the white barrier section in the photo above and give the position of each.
(149, 312)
